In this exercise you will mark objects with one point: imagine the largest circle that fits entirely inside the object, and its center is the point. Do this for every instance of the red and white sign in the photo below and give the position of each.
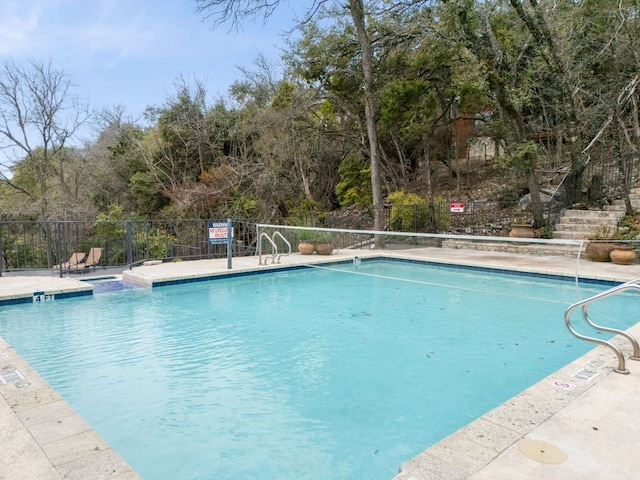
(563, 385)
(457, 207)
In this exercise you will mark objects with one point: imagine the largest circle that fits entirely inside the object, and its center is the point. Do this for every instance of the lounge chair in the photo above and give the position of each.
(74, 260)
(93, 258)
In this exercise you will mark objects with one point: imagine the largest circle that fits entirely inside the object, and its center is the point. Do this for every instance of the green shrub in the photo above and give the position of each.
(304, 213)
(20, 254)
(154, 242)
(306, 220)
(354, 187)
(629, 228)
(442, 213)
(409, 212)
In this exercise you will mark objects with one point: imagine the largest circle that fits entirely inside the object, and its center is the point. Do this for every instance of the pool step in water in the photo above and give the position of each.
(106, 286)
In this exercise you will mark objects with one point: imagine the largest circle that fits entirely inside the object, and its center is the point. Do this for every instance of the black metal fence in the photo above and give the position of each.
(44, 245)
(48, 245)
(483, 218)
(602, 181)
(486, 218)
(599, 183)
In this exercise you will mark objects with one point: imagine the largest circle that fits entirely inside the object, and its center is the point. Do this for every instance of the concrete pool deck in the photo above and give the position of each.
(583, 411)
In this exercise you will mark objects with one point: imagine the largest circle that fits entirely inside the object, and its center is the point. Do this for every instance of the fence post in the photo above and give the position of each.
(59, 247)
(129, 229)
(1, 248)
(229, 242)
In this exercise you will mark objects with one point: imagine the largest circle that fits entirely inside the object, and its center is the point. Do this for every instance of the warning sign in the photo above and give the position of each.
(218, 233)
(456, 207)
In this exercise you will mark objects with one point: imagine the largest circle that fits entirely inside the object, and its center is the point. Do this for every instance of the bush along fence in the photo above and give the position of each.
(482, 218)
(49, 245)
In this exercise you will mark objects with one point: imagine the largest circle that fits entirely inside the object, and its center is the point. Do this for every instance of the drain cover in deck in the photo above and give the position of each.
(10, 375)
(542, 452)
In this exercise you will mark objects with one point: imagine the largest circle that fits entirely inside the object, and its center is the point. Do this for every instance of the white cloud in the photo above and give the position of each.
(17, 27)
(77, 32)
(110, 39)
(131, 52)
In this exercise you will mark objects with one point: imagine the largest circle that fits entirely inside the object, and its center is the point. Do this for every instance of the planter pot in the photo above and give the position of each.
(622, 255)
(306, 248)
(598, 252)
(324, 248)
(521, 231)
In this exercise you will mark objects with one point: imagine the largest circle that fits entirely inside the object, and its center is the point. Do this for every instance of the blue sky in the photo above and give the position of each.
(130, 52)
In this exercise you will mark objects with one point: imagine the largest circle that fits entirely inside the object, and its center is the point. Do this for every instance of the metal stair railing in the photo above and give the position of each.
(286, 242)
(274, 249)
(275, 256)
(584, 304)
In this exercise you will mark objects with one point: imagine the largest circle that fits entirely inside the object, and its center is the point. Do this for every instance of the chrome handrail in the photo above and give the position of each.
(273, 238)
(630, 285)
(275, 255)
(274, 251)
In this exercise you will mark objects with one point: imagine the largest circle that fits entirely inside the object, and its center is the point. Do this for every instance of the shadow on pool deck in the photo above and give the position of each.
(594, 419)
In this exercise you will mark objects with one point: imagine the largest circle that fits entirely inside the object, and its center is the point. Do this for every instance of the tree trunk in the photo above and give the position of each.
(357, 14)
(537, 208)
(432, 226)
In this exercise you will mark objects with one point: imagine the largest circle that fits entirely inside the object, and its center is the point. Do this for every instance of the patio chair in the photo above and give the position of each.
(74, 260)
(93, 258)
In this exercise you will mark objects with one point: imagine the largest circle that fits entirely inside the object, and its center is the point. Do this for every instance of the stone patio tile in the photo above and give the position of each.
(26, 399)
(63, 427)
(74, 447)
(428, 467)
(489, 435)
(24, 459)
(102, 465)
(522, 413)
(45, 413)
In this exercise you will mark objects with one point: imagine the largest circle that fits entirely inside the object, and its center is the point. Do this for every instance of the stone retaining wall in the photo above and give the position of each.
(539, 249)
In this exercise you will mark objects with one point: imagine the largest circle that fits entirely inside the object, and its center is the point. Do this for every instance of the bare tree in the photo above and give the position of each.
(39, 114)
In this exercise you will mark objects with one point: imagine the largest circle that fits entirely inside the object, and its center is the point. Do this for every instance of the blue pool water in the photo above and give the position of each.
(332, 373)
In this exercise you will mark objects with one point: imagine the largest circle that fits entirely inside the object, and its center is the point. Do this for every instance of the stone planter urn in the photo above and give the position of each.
(622, 255)
(521, 230)
(306, 248)
(324, 248)
(599, 251)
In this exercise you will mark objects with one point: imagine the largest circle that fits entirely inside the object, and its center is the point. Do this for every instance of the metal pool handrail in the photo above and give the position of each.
(275, 256)
(274, 247)
(278, 234)
(631, 285)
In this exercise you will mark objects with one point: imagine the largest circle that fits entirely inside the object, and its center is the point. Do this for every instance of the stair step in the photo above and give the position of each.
(583, 224)
(569, 236)
(634, 198)
(584, 228)
(592, 213)
(530, 249)
(589, 221)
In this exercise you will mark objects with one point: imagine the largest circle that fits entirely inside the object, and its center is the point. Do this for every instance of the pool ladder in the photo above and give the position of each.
(584, 304)
(274, 255)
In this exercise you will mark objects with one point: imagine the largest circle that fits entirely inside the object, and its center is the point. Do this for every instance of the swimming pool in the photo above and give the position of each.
(341, 372)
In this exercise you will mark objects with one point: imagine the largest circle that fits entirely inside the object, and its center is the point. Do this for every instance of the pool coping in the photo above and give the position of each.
(61, 444)
(469, 452)
(43, 437)
(24, 289)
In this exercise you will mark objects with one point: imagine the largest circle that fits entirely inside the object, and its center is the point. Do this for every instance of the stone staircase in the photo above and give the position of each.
(583, 224)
